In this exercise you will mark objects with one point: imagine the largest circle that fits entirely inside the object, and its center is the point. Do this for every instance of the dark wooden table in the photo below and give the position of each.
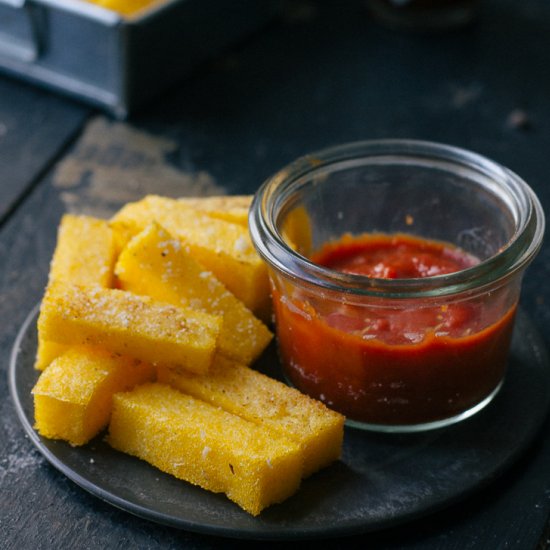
(323, 73)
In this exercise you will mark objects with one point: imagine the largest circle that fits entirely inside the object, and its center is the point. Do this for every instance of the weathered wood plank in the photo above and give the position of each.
(35, 127)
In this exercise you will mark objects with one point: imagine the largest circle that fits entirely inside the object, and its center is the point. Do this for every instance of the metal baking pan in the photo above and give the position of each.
(117, 62)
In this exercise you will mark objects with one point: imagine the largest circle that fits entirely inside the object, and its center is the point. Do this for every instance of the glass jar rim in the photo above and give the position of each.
(274, 193)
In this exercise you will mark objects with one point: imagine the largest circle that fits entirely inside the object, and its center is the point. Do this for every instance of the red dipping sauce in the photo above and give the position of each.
(402, 362)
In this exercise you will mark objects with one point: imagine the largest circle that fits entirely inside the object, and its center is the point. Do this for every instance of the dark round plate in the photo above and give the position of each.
(382, 480)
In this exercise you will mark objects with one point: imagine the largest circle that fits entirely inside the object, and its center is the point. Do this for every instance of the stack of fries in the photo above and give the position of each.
(149, 326)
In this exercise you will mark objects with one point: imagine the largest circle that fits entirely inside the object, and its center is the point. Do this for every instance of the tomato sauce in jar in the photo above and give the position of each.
(399, 364)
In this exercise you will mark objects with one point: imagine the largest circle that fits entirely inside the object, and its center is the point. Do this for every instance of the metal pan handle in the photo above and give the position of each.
(24, 44)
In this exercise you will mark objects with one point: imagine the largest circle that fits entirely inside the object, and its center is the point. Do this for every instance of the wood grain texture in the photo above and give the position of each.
(35, 127)
(113, 163)
(322, 75)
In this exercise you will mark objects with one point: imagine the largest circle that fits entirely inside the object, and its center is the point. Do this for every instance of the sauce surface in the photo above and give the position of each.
(393, 257)
(408, 362)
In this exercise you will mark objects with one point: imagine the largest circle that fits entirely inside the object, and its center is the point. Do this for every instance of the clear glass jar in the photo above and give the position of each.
(442, 354)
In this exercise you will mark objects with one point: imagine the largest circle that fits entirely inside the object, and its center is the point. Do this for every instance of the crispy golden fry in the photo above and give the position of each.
(205, 446)
(268, 403)
(296, 231)
(73, 397)
(124, 323)
(85, 254)
(156, 265)
(231, 208)
(222, 247)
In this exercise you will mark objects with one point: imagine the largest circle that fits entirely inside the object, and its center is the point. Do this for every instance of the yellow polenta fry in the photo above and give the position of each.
(297, 232)
(245, 392)
(124, 323)
(222, 247)
(73, 396)
(85, 254)
(156, 265)
(231, 208)
(205, 446)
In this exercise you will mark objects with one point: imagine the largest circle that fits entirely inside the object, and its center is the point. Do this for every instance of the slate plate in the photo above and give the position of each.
(382, 480)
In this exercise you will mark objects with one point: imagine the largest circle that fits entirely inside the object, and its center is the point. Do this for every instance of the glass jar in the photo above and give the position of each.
(449, 334)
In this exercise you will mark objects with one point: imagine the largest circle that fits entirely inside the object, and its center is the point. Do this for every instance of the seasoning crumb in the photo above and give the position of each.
(241, 245)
